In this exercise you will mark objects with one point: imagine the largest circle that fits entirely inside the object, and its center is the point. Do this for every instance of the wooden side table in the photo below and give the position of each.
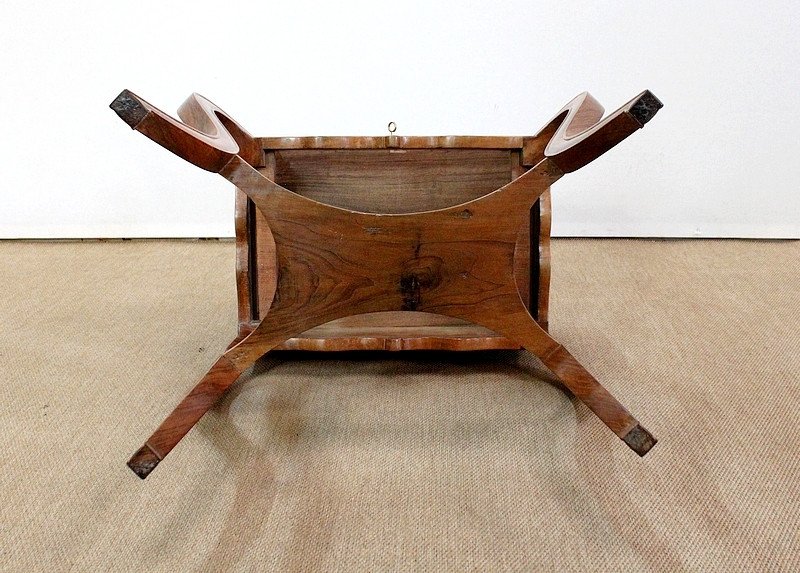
(389, 243)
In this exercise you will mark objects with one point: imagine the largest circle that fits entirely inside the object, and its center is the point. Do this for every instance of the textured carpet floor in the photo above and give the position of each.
(423, 462)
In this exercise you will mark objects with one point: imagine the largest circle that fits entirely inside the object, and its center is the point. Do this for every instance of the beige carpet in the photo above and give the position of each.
(424, 462)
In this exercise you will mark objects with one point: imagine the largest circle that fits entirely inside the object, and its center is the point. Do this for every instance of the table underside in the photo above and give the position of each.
(403, 178)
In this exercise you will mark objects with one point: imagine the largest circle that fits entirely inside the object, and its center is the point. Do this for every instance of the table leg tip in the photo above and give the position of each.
(640, 440)
(646, 107)
(128, 107)
(144, 461)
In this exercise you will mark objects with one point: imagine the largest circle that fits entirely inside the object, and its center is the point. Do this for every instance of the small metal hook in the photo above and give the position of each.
(392, 141)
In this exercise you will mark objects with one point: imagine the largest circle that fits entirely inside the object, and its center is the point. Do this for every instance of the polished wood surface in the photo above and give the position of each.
(458, 261)
(542, 276)
(399, 180)
(393, 181)
(393, 141)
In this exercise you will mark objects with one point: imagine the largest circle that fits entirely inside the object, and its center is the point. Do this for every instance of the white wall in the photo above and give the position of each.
(721, 158)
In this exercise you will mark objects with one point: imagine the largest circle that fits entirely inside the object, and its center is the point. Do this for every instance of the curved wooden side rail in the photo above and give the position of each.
(577, 135)
(205, 117)
(334, 262)
(208, 139)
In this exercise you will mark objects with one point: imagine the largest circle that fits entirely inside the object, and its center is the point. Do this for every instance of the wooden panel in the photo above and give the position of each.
(242, 258)
(542, 300)
(399, 181)
(396, 338)
(265, 250)
(393, 181)
(396, 331)
(393, 141)
(522, 256)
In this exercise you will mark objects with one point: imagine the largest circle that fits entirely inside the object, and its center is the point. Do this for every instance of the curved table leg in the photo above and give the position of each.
(225, 371)
(522, 328)
(202, 397)
(599, 400)
(277, 326)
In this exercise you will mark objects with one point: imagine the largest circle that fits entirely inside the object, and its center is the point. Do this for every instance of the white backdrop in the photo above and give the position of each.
(720, 159)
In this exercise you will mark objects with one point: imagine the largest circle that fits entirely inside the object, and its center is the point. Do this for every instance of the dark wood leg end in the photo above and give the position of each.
(640, 440)
(129, 108)
(144, 461)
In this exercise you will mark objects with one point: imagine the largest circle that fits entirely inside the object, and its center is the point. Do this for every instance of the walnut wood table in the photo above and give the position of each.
(445, 238)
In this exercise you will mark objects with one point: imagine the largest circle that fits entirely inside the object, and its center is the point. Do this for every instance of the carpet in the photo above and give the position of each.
(402, 462)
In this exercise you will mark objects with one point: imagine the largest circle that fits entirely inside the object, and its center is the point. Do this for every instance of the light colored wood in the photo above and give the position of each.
(332, 337)
(393, 331)
(389, 142)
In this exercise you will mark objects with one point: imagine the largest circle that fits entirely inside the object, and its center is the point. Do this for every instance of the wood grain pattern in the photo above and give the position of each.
(542, 303)
(392, 142)
(266, 272)
(335, 262)
(523, 267)
(393, 331)
(243, 223)
(393, 181)
(396, 331)
(578, 135)
(205, 140)
(457, 261)
(397, 181)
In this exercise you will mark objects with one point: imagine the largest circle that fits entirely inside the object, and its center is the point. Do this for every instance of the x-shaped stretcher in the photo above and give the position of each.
(333, 262)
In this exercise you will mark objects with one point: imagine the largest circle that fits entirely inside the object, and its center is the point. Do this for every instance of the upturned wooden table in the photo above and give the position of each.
(389, 243)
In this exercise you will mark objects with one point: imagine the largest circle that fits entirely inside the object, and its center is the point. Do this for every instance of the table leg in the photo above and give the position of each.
(225, 371)
(519, 325)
